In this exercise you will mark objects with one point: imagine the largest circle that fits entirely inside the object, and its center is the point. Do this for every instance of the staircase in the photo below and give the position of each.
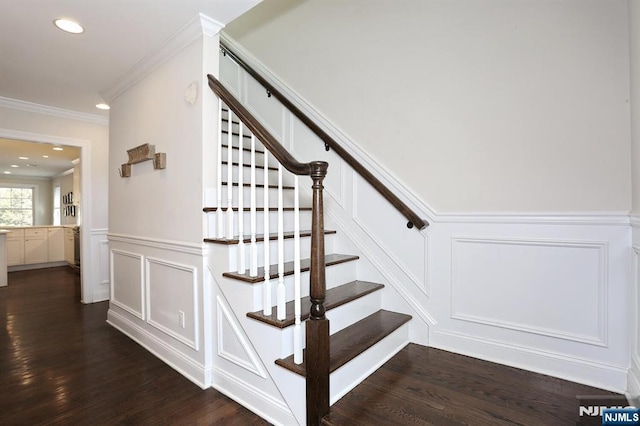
(245, 260)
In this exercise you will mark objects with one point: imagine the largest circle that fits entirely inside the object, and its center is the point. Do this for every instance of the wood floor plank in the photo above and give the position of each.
(61, 363)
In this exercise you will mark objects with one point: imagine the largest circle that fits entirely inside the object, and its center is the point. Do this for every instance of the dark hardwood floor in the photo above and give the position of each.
(62, 364)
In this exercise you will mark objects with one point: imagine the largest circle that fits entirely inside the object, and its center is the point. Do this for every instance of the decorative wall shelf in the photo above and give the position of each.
(144, 152)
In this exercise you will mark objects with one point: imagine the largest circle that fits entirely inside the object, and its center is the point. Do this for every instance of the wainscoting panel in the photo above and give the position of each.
(232, 343)
(230, 73)
(172, 300)
(127, 289)
(552, 288)
(100, 281)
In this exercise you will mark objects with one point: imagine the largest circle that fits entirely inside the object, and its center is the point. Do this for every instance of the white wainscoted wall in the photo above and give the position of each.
(160, 294)
(542, 291)
(634, 294)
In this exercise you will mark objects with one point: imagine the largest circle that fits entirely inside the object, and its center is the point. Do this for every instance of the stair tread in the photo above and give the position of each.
(335, 297)
(305, 264)
(249, 165)
(258, 209)
(260, 237)
(353, 340)
(259, 185)
(224, 145)
(226, 132)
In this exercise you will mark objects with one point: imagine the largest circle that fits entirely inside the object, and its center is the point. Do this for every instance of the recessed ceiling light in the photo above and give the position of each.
(6, 172)
(103, 106)
(68, 26)
(58, 148)
(45, 156)
(32, 165)
(23, 158)
(14, 165)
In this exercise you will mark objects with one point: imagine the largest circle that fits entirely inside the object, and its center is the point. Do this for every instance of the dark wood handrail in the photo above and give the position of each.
(414, 219)
(317, 327)
(260, 132)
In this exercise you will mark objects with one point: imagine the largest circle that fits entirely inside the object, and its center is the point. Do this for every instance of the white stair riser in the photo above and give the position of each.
(287, 197)
(305, 251)
(335, 275)
(305, 222)
(355, 371)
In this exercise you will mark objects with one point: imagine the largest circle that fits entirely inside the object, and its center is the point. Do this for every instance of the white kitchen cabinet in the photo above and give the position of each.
(69, 249)
(35, 246)
(15, 247)
(55, 244)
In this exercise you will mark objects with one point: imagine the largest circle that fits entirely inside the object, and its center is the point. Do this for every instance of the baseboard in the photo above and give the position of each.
(633, 383)
(262, 404)
(16, 268)
(101, 296)
(554, 364)
(186, 366)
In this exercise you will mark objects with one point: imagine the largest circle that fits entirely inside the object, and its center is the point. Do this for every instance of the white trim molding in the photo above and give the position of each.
(20, 105)
(601, 249)
(141, 313)
(198, 249)
(197, 27)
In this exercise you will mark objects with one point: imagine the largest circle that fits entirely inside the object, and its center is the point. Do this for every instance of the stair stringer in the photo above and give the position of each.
(401, 294)
(240, 368)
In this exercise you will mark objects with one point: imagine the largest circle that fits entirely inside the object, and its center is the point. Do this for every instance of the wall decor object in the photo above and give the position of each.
(144, 152)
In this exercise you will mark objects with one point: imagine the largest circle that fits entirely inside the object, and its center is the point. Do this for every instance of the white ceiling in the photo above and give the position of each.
(36, 165)
(43, 65)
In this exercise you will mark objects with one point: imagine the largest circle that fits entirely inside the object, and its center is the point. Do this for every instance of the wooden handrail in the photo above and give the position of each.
(414, 219)
(263, 135)
(317, 328)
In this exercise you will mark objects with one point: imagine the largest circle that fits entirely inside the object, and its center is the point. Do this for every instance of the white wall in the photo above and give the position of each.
(633, 386)
(491, 105)
(43, 193)
(47, 125)
(155, 216)
(540, 291)
(66, 185)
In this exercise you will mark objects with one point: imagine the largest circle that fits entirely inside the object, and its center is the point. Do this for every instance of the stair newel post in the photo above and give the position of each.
(219, 211)
(317, 328)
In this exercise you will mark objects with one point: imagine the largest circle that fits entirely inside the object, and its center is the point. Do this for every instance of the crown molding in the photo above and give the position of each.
(20, 105)
(197, 27)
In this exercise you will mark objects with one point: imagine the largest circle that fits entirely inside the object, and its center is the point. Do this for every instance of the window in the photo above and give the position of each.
(16, 206)
(56, 205)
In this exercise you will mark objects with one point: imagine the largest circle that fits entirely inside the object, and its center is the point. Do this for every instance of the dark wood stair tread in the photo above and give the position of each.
(259, 185)
(354, 340)
(260, 237)
(335, 297)
(226, 132)
(305, 265)
(258, 209)
(249, 165)
(224, 145)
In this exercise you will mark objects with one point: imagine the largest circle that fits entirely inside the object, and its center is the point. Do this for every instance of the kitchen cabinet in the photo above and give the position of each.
(15, 247)
(35, 246)
(69, 248)
(55, 244)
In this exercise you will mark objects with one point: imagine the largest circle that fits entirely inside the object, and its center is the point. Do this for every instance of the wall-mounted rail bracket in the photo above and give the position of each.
(268, 93)
(327, 147)
(144, 152)
(409, 225)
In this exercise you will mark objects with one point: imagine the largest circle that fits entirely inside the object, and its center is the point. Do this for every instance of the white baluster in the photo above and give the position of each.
(230, 176)
(297, 328)
(219, 212)
(281, 292)
(266, 289)
(242, 268)
(253, 249)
